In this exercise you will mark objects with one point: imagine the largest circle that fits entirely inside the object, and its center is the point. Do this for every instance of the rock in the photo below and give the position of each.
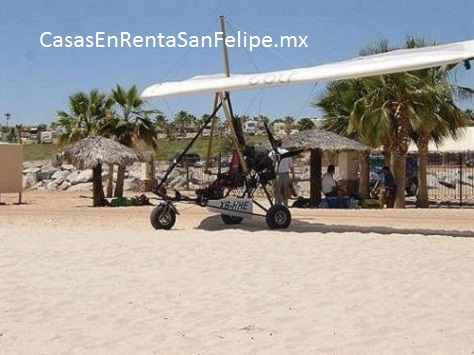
(178, 180)
(81, 187)
(131, 184)
(64, 186)
(29, 181)
(83, 177)
(29, 164)
(72, 176)
(193, 186)
(305, 175)
(180, 185)
(37, 186)
(52, 185)
(31, 170)
(68, 167)
(46, 172)
(60, 176)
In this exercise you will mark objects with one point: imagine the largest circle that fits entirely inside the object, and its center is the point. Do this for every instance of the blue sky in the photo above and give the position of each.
(35, 81)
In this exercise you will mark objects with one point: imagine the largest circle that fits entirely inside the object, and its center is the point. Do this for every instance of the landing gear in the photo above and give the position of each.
(278, 217)
(163, 217)
(231, 219)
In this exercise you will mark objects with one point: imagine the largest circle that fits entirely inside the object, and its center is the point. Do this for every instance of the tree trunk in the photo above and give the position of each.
(399, 143)
(315, 177)
(120, 180)
(387, 151)
(399, 170)
(97, 188)
(422, 195)
(110, 181)
(364, 175)
(388, 158)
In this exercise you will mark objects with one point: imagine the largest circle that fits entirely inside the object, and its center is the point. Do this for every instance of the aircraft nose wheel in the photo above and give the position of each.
(163, 217)
(278, 217)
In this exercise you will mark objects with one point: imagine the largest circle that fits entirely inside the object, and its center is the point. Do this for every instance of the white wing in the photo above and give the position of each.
(385, 63)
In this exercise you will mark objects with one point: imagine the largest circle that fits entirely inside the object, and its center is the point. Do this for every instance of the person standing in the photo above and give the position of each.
(283, 168)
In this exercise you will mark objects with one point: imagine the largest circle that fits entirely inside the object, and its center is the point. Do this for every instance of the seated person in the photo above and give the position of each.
(385, 188)
(329, 185)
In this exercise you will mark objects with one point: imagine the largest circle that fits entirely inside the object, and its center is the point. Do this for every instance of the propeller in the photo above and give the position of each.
(273, 143)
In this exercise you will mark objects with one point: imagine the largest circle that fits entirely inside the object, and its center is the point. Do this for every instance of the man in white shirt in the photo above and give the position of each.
(329, 185)
(282, 171)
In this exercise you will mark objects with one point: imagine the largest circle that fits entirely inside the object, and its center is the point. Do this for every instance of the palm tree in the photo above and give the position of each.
(382, 110)
(199, 122)
(86, 116)
(129, 125)
(441, 117)
(182, 120)
(161, 121)
(338, 102)
(289, 121)
(305, 124)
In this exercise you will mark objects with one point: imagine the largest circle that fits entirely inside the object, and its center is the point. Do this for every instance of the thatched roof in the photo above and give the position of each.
(324, 140)
(89, 152)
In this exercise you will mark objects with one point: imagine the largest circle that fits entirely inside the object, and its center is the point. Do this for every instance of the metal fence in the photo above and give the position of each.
(450, 178)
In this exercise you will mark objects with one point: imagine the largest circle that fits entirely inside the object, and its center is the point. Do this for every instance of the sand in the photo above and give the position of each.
(79, 280)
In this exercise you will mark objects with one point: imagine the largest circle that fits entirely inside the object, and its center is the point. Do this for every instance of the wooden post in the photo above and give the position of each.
(98, 189)
(460, 179)
(315, 177)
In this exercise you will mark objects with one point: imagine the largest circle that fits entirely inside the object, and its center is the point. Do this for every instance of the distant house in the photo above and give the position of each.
(279, 128)
(318, 122)
(463, 144)
(250, 127)
(46, 137)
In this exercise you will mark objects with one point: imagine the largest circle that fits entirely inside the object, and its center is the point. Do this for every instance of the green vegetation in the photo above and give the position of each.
(38, 151)
(166, 147)
(170, 147)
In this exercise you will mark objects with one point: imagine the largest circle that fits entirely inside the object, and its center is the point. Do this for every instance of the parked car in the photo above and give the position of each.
(377, 162)
(189, 159)
(470, 162)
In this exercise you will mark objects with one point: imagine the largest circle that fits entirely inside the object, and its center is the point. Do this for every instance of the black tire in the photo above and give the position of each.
(231, 219)
(278, 217)
(412, 187)
(163, 217)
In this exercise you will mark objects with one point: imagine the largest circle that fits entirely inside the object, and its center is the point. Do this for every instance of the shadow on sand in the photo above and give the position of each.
(257, 224)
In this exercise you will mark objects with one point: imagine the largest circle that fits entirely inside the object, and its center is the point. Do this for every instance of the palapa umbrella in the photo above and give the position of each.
(317, 141)
(92, 153)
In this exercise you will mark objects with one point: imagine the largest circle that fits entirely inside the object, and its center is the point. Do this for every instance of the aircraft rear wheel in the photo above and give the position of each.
(231, 219)
(163, 217)
(278, 217)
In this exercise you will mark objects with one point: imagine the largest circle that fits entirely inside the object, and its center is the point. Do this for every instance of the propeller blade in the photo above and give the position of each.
(271, 138)
(291, 154)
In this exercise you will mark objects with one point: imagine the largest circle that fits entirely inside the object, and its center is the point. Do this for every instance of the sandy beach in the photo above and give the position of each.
(79, 280)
